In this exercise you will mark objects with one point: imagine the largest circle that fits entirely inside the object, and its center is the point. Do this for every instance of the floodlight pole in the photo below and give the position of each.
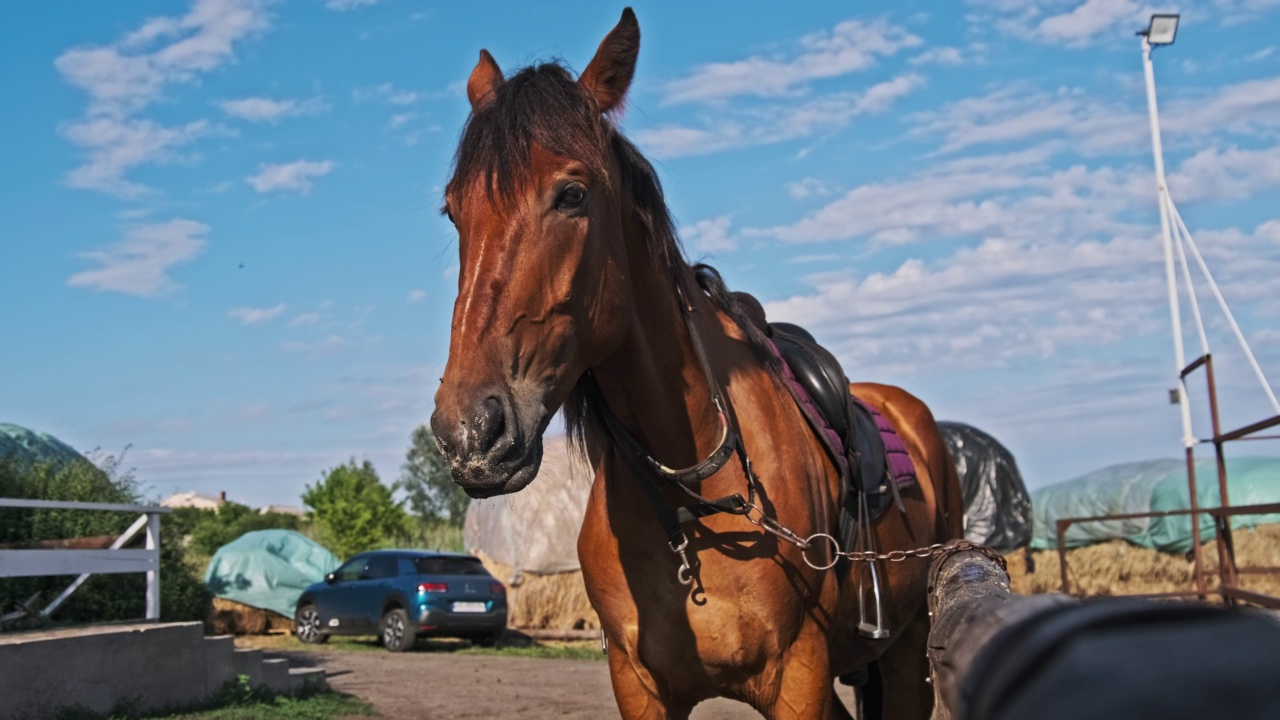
(1184, 407)
(1162, 191)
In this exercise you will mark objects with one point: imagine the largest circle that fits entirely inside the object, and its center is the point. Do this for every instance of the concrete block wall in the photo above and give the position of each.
(153, 666)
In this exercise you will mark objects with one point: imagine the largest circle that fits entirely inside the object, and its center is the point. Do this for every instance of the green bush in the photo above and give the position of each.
(352, 510)
(420, 534)
(102, 597)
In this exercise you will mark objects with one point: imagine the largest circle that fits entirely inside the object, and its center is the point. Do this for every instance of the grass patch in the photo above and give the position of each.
(514, 646)
(240, 701)
(579, 650)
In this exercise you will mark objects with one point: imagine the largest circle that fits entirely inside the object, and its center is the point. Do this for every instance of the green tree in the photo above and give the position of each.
(432, 493)
(352, 510)
(214, 528)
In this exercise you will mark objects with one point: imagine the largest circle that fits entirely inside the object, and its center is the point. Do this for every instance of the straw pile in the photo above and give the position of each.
(1118, 568)
(557, 601)
(232, 618)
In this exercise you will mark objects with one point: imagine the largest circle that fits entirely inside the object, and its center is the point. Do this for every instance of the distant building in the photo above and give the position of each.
(193, 500)
(282, 509)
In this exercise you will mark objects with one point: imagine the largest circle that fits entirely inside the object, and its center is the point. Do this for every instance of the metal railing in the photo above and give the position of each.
(111, 560)
(1228, 571)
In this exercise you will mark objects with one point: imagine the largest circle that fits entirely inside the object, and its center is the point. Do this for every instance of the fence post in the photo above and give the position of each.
(153, 575)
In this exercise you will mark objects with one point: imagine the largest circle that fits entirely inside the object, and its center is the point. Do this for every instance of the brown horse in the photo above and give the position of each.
(573, 293)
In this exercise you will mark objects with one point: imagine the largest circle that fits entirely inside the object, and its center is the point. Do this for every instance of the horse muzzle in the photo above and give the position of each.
(492, 447)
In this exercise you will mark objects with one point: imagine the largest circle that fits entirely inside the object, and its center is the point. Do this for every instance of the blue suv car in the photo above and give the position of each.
(402, 595)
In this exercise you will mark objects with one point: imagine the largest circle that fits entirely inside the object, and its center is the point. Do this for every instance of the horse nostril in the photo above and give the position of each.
(490, 423)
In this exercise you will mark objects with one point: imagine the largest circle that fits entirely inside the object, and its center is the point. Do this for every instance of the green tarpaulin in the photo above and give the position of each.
(268, 569)
(1151, 486)
(32, 446)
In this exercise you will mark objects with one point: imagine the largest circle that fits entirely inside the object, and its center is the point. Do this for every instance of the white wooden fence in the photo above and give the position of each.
(115, 559)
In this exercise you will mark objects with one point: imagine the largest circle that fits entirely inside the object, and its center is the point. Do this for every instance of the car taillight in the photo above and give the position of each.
(497, 588)
(424, 588)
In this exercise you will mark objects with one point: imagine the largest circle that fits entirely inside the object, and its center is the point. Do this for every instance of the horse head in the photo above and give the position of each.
(537, 197)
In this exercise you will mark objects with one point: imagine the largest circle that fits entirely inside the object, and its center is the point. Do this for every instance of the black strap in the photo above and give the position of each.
(730, 442)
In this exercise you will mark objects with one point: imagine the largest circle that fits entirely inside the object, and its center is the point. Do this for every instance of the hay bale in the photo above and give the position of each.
(556, 601)
(1118, 568)
(229, 617)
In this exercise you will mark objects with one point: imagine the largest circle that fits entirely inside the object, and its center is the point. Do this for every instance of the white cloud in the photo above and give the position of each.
(115, 145)
(330, 344)
(257, 109)
(1017, 112)
(1070, 23)
(1014, 195)
(1229, 173)
(345, 5)
(255, 316)
(710, 236)
(399, 119)
(305, 319)
(1248, 107)
(417, 295)
(850, 46)
(986, 306)
(1085, 22)
(807, 188)
(939, 56)
(289, 177)
(386, 92)
(122, 79)
(741, 127)
(139, 264)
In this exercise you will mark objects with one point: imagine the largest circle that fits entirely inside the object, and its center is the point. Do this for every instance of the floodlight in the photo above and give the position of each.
(1162, 30)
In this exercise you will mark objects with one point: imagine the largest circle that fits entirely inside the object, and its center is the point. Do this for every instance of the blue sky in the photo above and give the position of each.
(222, 246)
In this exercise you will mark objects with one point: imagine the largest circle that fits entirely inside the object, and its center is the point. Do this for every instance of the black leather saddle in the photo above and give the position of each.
(820, 374)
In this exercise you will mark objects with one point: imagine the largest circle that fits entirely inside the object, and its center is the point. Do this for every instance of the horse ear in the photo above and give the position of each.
(608, 75)
(484, 80)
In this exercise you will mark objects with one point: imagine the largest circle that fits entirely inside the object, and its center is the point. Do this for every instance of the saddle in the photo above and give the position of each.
(872, 459)
(823, 380)
(845, 424)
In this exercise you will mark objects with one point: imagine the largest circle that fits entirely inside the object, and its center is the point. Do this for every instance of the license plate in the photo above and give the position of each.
(469, 607)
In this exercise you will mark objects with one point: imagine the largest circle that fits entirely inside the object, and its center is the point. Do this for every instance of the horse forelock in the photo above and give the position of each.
(538, 105)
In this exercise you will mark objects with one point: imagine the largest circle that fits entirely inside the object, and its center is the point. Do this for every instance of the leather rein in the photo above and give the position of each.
(644, 466)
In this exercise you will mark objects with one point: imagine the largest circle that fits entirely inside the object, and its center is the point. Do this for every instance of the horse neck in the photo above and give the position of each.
(654, 383)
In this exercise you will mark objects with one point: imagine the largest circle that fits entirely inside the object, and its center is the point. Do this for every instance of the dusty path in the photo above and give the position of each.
(417, 685)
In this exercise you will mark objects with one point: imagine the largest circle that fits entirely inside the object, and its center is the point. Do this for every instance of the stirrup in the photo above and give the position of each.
(877, 631)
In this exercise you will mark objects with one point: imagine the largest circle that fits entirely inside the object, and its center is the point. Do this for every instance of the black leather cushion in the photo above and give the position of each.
(817, 371)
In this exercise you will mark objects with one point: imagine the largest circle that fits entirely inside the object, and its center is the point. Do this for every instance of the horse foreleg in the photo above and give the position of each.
(904, 672)
(804, 688)
(637, 693)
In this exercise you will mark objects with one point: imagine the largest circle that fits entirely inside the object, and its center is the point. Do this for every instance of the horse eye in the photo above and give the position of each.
(572, 197)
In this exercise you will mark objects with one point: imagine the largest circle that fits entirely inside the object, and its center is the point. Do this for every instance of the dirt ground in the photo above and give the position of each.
(419, 684)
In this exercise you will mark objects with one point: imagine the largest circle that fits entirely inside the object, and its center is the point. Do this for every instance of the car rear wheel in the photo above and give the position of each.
(397, 633)
(306, 625)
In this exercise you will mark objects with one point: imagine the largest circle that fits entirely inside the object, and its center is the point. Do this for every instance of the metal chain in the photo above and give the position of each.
(774, 527)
